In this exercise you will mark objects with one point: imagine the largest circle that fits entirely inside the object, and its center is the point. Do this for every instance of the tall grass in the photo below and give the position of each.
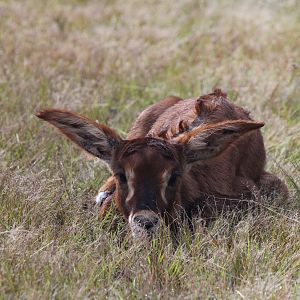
(109, 60)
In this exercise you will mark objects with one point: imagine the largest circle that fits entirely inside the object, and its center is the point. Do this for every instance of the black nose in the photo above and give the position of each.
(144, 222)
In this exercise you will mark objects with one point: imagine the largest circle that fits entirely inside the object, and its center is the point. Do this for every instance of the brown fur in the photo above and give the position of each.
(219, 176)
(203, 153)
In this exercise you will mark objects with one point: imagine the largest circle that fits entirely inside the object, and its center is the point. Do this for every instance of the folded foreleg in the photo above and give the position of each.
(105, 196)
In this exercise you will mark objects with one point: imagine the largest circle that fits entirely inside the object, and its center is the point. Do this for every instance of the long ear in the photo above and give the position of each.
(208, 141)
(98, 140)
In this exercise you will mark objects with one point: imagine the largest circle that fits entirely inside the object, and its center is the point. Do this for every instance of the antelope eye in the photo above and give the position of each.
(122, 178)
(172, 180)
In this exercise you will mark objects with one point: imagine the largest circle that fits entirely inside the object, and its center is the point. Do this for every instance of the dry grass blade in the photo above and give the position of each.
(108, 60)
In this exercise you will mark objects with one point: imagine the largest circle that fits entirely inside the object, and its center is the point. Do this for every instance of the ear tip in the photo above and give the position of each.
(251, 125)
(43, 114)
(40, 114)
(47, 114)
(260, 124)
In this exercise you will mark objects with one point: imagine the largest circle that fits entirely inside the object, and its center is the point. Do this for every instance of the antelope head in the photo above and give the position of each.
(148, 171)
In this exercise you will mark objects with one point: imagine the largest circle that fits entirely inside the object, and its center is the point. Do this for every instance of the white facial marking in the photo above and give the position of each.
(165, 178)
(130, 180)
(130, 218)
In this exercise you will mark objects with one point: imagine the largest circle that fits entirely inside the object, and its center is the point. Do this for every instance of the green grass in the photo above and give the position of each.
(109, 60)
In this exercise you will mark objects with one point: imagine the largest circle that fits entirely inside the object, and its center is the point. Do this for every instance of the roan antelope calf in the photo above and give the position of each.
(180, 157)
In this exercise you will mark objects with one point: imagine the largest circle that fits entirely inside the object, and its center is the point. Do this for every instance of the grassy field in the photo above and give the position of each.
(108, 60)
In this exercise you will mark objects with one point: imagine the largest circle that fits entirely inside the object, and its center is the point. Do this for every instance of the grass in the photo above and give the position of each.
(108, 60)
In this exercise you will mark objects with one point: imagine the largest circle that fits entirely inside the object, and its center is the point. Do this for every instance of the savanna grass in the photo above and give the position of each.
(108, 60)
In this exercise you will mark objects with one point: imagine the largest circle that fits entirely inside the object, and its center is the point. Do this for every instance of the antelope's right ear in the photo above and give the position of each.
(209, 140)
(98, 140)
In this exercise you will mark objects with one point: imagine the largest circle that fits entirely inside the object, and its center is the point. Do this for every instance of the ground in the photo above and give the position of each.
(108, 60)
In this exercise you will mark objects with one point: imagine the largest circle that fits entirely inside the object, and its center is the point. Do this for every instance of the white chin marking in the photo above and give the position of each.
(101, 197)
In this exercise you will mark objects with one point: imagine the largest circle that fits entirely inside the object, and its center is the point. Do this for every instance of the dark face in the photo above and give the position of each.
(148, 177)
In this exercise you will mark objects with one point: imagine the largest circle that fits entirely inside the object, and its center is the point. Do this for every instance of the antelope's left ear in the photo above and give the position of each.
(96, 139)
(205, 142)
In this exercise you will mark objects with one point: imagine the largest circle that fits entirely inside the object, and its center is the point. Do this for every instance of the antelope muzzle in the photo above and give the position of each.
(144, 224)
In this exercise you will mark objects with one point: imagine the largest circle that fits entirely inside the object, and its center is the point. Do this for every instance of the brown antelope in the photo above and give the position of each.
(197, 155)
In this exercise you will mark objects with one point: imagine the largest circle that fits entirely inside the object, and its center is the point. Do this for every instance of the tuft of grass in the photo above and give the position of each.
(109, 60)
